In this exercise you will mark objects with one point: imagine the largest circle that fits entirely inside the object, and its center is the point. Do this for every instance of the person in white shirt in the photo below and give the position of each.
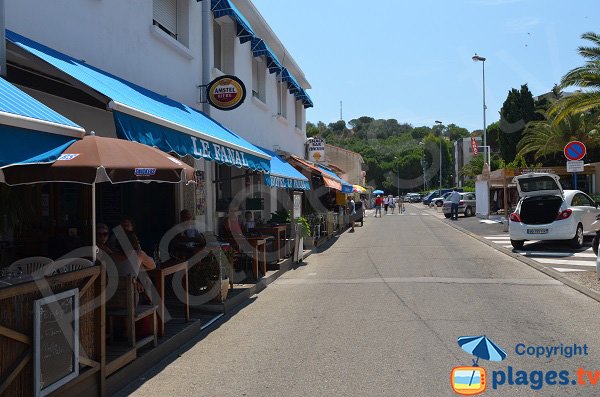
(455, 201)
(386, 203)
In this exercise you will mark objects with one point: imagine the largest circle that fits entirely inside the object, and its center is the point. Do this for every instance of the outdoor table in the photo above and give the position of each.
(277, 232)
(158, 276)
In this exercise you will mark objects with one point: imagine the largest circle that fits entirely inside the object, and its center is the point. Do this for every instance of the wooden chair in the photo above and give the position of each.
(124, 305)
(30, 265)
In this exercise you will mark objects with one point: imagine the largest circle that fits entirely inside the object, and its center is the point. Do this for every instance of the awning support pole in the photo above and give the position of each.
(94, 248)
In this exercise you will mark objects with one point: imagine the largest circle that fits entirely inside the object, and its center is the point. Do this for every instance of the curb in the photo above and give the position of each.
(531, 263)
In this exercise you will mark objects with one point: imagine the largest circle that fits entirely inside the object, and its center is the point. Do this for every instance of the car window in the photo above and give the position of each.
(580, 200)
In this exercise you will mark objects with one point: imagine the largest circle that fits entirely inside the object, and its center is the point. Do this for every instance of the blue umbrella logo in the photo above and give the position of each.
(481, 347)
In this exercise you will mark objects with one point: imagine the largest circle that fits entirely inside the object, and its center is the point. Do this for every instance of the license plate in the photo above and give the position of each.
(537, 231)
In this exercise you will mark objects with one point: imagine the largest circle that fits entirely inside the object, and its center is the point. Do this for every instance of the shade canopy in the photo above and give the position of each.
(328, 181)
(97, 159)
(345, 188)
(31, 132)
(150, 118)
(283, 175)
(359, 189)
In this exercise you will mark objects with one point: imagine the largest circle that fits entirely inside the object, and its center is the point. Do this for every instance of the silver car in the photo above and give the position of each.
(466, 205)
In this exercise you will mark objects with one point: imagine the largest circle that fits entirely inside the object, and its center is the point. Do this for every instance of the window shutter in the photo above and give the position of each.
(165, 13)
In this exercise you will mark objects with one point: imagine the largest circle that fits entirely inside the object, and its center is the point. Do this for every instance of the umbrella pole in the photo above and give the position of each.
(94, 248)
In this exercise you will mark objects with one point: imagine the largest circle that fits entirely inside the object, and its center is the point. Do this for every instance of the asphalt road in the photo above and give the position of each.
(379, 314)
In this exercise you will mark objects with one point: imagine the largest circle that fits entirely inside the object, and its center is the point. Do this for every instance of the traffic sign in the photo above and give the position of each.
(575, 150)
(575, 166)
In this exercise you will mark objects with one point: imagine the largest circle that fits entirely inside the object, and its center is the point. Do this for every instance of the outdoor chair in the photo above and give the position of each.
(123, 304)
(70, 264)
(30, 265)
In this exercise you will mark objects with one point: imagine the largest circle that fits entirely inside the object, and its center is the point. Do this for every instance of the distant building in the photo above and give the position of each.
(463, 153)
(348, 164)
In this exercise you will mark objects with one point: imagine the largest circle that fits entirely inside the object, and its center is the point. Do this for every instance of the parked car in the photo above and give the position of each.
(438, 202)
(437, 194)
(412, 197)
(466, 206)
(546, 212)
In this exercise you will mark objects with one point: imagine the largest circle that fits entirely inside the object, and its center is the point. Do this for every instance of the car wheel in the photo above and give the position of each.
(577, 241)
(447, 216)
(595, 244)
(517, 244)
(468, 211)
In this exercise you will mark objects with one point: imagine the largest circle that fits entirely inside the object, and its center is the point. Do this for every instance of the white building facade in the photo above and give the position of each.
(174, 48)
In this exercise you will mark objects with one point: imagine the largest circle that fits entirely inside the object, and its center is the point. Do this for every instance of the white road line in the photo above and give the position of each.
(558, 254)
(553, 261)
(563, 270)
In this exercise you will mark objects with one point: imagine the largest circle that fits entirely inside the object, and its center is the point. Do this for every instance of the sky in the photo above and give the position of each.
(411, 60)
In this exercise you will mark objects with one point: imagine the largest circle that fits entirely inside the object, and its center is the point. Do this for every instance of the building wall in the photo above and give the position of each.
(348, 161)
(118, 36)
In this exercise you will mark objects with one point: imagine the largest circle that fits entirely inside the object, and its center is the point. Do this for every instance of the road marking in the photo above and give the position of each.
(565, 262)
(557, 254)
(564, 270)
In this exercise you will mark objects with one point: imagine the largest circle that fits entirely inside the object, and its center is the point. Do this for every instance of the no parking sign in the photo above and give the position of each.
(575, 150)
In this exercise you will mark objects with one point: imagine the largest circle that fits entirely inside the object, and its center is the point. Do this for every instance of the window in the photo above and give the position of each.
(217, 45)
(281, 99)
(223, 45)
(299, 112)
(171, 16)
(580, 200)
(259, 72)
(224, 187)
(165, 16)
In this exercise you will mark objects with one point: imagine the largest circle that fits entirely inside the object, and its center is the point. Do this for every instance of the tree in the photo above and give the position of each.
(545, 138)
(518, 110)
(587, 77)
(454, 132)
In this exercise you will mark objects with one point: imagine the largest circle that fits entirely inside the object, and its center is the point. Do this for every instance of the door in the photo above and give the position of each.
(585, 209)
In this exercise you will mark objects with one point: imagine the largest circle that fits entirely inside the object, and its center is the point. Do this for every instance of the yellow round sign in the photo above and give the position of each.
(226, 92)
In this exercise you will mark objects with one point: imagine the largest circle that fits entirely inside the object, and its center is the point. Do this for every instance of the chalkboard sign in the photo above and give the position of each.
(56, 341)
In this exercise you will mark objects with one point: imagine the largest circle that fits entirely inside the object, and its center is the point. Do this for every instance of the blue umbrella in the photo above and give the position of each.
(481, 347)
(377, 191)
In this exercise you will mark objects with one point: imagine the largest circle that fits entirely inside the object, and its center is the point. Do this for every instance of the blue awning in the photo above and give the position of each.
(260, 48)
(346, 187)
(221, 8)
(283, 175)
(31, 132)
(144, 116)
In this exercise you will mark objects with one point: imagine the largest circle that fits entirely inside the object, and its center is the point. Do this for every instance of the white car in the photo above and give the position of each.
(546, 212)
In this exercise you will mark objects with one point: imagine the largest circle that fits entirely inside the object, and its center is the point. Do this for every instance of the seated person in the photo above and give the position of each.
(131, 249)
(102, 233)
(231, 224)
(190, 234)
(128, 226)
(248, 222)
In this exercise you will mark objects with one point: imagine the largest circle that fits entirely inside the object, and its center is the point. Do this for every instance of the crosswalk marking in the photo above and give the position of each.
(563, 261)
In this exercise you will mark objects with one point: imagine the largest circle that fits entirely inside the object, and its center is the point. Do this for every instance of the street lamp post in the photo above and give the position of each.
(440, 123)
(396, 158)
(423, 165)
(477, 58)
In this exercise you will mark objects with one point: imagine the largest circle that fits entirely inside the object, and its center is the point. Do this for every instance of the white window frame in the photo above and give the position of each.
(281, 98)
(299, 114)
(259, 74)
(172, 18)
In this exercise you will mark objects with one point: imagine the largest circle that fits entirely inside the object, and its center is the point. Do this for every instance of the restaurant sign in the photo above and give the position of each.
(316, 150)
(286, 183)
(226, 92)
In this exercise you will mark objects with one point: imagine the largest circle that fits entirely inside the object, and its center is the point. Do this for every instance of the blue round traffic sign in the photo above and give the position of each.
(575, 150)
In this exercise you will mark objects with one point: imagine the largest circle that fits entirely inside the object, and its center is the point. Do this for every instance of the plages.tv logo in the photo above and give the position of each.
(472, 379)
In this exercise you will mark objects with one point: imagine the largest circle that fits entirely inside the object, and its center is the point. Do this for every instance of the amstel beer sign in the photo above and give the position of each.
(226, 92)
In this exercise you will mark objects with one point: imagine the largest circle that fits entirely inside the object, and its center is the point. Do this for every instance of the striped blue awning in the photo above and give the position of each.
(31, 132)
(283, 175)
(144, 116)
(222, 8)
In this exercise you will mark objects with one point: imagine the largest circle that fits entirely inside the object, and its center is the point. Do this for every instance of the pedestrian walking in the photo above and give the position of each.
(455, 201)
(386, 204)
(352, 212)
(400, 205)
(393, 202)
(378, 202)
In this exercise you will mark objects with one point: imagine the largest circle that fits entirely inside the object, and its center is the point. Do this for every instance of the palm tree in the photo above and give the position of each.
(547, 137)
(586, 77)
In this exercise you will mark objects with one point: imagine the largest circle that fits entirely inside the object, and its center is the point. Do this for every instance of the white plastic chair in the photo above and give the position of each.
(30, 265)
(70, 264)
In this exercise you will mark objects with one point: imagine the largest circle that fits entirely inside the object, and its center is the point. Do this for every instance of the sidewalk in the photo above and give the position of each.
(575, 267)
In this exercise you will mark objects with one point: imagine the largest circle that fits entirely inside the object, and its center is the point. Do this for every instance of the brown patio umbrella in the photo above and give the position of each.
(96, 159)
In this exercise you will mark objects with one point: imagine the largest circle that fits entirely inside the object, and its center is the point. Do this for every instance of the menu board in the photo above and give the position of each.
(56, 341)
(200, 193)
